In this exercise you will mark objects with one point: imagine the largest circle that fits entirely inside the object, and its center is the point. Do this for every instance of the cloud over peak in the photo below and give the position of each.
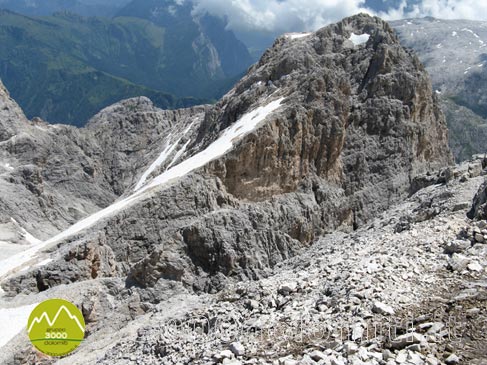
(445, 9)
(280, 16)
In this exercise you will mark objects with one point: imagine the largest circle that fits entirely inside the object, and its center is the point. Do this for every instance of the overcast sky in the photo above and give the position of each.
(303, 15)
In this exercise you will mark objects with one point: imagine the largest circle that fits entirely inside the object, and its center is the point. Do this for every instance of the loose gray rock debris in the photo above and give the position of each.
(328, 318)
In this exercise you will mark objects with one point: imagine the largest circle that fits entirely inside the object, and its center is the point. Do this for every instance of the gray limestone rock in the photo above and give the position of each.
(479, 206)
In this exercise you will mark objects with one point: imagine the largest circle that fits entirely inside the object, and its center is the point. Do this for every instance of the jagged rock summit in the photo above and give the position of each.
(326, 131)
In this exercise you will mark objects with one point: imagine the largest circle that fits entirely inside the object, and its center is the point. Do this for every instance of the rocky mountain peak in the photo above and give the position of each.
(337, 83)
(360, 24)
(128, 106)
(327, 131)
(334, 124)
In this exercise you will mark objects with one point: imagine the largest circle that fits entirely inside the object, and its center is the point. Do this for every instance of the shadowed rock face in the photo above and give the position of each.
(479, 207)
(357, 123)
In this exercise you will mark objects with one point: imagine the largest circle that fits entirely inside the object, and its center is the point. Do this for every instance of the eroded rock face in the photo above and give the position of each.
(11, 116)
(479, 207)
(55, 175)
(357, 123)
(362, 119)
(50, 176)
(131, 134)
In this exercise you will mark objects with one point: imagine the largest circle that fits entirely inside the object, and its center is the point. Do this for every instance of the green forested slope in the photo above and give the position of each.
(66, 67)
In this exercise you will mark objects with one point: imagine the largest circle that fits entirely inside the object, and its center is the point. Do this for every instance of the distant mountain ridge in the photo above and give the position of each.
(48, 7)
(217, 54)
(66, 67)
(455, 54)
(63, 68)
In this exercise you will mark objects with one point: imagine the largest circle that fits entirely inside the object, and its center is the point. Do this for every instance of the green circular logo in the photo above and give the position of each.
(56, 327)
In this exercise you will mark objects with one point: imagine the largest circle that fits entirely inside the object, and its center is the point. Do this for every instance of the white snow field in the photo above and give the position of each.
(297, 35)
(158, 162)
(247, 123)
(27, 236)
(222, 145)
(13, 320)
(358, 40)
(170, 147)
(8, 249)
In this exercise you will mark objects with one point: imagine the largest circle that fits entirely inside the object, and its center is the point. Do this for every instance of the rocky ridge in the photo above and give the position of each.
(454, 53)
(58, 174)
(323, 134)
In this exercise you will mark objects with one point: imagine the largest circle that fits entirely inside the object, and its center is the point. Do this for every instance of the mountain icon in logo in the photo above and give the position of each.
(56, 327)
(59, 315)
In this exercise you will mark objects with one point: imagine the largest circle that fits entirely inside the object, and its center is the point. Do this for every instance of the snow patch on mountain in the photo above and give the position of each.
(222, 145)
(158, 162)
(297, 35)
(13, 320)
(359, 39)
(165, 154)
(179, 154)
(27, 236)
(246, 124)
(18, 260)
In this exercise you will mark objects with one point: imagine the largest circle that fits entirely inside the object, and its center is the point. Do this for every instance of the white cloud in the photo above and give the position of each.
(395, 13)
(280, 15)
(443, 9)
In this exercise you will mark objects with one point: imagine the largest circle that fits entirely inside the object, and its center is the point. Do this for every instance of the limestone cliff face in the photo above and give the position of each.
(131, 134)
(362, 118)
(50, 176)
(356, 123)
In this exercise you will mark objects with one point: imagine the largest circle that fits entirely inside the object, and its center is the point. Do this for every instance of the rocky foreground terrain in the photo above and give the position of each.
(409, 288)
(314, 200)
